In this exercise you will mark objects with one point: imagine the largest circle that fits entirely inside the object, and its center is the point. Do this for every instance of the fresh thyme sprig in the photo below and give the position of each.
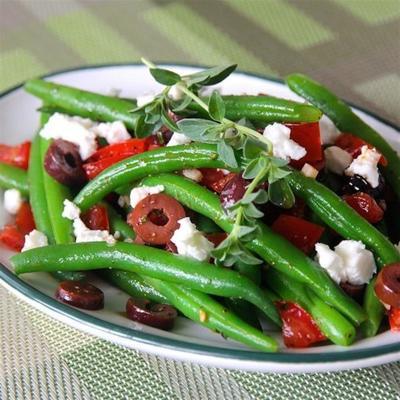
(238, 145)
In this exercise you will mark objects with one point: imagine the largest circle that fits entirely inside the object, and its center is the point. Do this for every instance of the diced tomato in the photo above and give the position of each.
(365, 205)
(18, 156)
(299, 208)
(12, 237)
(352, 144)
(303, 234)
(216, 238)
(299, 329)
(111, 154)
(215, 179)
(152, 142)
(96, 218)
(308, 136)
(95, 168)
(24, 219)
(394, 319)
(123, 149)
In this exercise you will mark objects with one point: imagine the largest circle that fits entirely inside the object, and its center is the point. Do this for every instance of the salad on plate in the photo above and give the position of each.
(234, 211)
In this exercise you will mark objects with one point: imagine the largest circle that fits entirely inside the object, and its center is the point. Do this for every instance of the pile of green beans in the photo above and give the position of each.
(337, 214)
(273, 248)
(147, 261)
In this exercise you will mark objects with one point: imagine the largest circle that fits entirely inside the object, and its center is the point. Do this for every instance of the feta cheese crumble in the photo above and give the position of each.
(366, 165)
(283, 146)
(329, 132)
(144, 99)
(349, 262)
(337, 159)
(178, 138)
(71, 129)
(139, 193)
(12, 200)
(190, 242)
(176, 93)
(193, 174)
(35, 239)
(81, 232)
(331, 262)
(309, 171)
(113, 132)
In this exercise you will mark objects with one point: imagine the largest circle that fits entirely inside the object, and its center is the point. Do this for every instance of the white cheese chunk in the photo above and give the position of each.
(350, 262)
(139, 193)
(328, 130)
(71, 211)
(330, 261)
(358, 261)
(178, 138)
(366, 165)
(84, 234)
(81, 232)
(190, 242)
(337, 159)
(176, 93)
(144, 99)
(73, 130)
(13, 200)
(309, 171)
(113, 132)
(35, 239)
(193, 174)
(283, 146)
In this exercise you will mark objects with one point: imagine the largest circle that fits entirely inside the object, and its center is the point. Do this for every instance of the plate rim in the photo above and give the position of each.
(176, 345)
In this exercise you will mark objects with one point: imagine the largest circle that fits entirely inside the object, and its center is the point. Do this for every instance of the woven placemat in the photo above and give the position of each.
(351, 45)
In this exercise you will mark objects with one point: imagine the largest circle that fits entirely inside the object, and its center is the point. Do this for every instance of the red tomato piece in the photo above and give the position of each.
(111, 154)
(394, 319)
(12, 237)
(352, 144)
(308, 136)
(153, 142)
(303, 234)
(24, 219)
(365, 205)
(299, 329)
(216, 238)
(126, 149)
(96, 218)
(18, 156)
(215, 179)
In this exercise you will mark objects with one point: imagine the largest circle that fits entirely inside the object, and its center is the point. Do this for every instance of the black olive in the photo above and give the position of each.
(233, 191)
(160, 316)
(64, 164)
(356, 183)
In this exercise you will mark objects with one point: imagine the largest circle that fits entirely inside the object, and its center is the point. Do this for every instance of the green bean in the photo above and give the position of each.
(14, 178)
(134, 285)
(203, 309)
(273, 248)
(374, 309)
(333, 325)
(264, 109)
(147, 261)
(347, 121)
(165, 159)
(85, 104)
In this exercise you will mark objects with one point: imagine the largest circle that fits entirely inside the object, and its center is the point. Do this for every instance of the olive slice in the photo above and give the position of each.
(160, 316)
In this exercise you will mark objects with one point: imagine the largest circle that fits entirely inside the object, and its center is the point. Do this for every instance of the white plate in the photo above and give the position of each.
(188, 341)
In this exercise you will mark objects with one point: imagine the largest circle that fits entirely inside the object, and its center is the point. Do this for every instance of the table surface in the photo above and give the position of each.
(350, 45)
